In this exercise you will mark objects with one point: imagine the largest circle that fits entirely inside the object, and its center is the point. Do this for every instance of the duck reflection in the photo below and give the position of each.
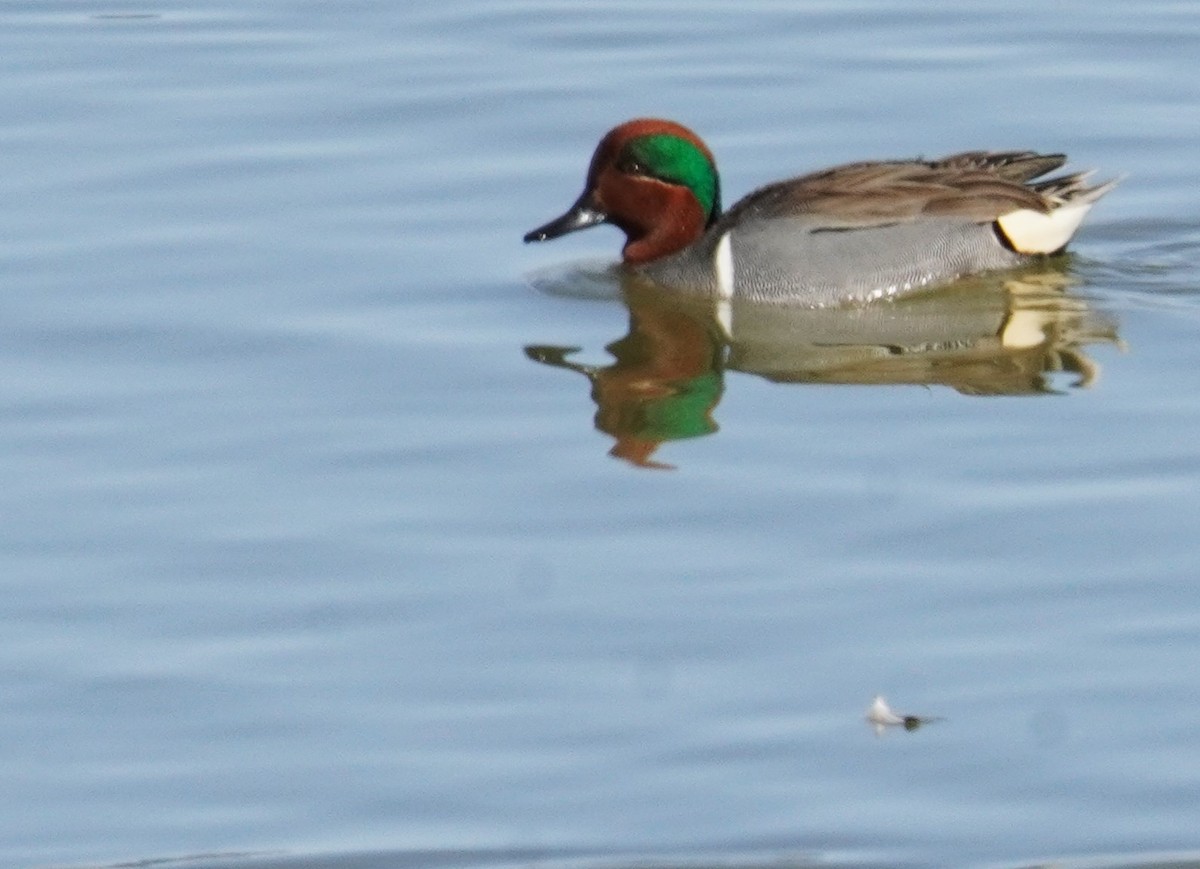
(1010, 334)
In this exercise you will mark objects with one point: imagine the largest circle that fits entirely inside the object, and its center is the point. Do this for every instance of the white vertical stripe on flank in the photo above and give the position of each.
(723, 263)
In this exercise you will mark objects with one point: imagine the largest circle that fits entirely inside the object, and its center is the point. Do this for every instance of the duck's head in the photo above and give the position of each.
(655, 180)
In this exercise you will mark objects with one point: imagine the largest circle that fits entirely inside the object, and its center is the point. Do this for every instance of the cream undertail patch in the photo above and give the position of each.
(1030, 231)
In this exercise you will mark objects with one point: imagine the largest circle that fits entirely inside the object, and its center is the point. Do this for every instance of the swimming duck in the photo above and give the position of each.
(852, 233)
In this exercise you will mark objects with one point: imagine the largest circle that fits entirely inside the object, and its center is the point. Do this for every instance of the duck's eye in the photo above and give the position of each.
(632, 166)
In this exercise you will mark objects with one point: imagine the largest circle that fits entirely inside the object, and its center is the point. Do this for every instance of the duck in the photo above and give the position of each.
(857, 232)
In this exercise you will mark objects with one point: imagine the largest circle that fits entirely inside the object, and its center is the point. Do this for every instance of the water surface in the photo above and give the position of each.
(323, 545)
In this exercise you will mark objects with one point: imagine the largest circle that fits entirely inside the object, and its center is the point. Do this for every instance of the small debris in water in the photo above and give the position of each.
(881, 716)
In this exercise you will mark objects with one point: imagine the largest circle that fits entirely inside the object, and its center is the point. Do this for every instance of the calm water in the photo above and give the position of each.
(340, 529)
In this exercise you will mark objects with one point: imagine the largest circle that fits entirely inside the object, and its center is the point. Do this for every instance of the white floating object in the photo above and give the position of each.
(880, 715)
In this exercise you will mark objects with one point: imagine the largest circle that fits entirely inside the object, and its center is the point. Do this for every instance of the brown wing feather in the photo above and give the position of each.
(1011, 165)
(976, 186)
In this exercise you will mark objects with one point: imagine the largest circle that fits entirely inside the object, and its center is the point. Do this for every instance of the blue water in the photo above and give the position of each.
(321, 546)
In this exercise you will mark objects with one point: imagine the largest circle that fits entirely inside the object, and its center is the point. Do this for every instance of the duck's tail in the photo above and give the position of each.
(1068, 200)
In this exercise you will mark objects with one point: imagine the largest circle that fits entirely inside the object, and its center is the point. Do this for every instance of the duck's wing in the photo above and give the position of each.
(1011, 165)
(974, 186)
